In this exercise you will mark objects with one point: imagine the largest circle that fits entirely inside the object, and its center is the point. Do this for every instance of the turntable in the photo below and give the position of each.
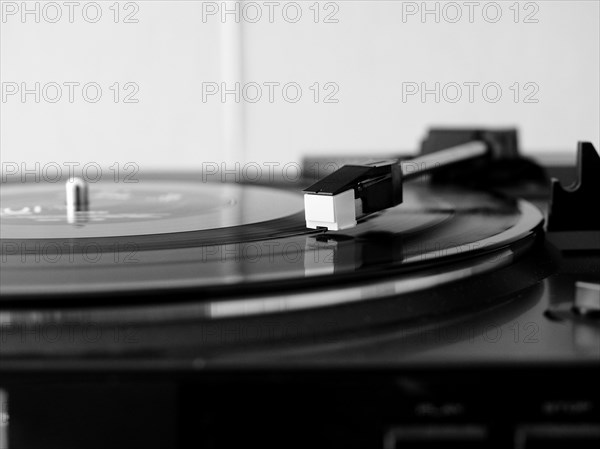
(392, 303)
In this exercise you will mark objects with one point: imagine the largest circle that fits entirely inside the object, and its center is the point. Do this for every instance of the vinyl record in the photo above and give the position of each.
(164, 238)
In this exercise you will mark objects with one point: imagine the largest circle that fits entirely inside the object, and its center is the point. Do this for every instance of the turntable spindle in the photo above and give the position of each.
(76, 198)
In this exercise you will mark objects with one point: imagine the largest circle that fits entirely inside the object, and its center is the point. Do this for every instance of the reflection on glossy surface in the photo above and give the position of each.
(430, 226)
(4, 419)
(148, 207)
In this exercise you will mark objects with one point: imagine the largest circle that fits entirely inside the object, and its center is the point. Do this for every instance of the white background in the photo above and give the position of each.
(372, 49)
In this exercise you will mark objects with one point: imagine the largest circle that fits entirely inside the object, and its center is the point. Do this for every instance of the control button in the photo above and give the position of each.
(436, 436)
(554, 435)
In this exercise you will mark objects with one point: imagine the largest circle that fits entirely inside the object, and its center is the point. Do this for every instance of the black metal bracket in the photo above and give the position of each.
(575, 208)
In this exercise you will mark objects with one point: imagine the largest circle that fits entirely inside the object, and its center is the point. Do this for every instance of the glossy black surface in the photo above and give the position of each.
(499, 354)
(60, 260)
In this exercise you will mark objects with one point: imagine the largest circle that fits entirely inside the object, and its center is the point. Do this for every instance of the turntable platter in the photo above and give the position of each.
(210, 240)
